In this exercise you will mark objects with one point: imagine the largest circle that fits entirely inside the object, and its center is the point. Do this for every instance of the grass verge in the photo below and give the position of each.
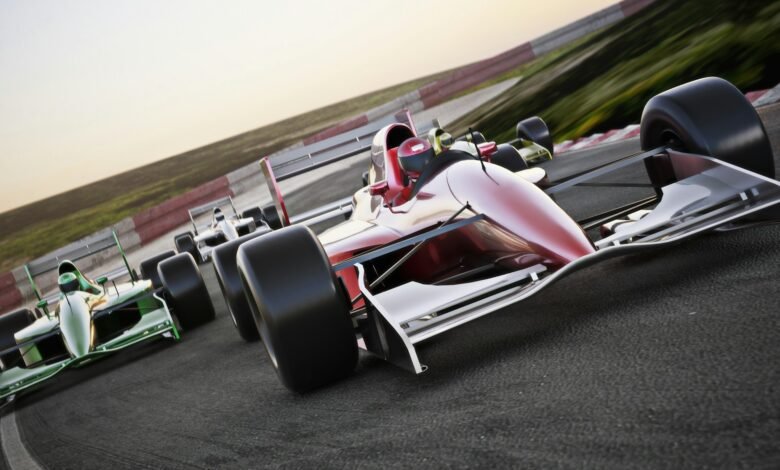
(604, 80)
(40, 227)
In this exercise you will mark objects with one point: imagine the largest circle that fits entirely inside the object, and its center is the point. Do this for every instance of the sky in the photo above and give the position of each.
(91, 88)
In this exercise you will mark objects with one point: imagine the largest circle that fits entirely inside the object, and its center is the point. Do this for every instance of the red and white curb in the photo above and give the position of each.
(757, 98)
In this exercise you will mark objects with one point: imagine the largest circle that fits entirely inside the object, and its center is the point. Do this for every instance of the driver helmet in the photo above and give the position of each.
(68, 282)
(218, 215)
(413, 154)
(440, 139)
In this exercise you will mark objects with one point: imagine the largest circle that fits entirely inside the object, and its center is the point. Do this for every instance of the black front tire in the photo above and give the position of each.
(271, 217)
(709, 117)
(479, 138)
(149, 267)
(300, 308)
(185, 243)
(224, 260)
(254, 213)
(186, 291)
(10, 323)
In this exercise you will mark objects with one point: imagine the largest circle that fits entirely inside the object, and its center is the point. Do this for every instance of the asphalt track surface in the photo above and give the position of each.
(660, 360)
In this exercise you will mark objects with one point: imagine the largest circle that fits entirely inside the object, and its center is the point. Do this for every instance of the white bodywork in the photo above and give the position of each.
(73, 316)
(227, 228)
(225, 225)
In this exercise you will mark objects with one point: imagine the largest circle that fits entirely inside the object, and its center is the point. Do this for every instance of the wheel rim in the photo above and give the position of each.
(670, 139)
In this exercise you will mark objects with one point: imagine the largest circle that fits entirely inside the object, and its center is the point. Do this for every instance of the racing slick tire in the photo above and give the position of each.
(224, 260)
(185, 243)
(10, 323)
(254, 213)
(186, 291)
(536, 130)
(508, 157)
(271, 217)
(149, 267)
(364, 178)
(479, 138)
(709, 116)
(300, 308)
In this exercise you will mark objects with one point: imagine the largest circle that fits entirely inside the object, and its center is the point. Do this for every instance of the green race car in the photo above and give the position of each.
(91, 319)
(533, 143)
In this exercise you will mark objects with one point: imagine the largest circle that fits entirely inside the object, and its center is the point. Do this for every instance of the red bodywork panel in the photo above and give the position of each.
(522, 227)
(487, 149)
(273, 188)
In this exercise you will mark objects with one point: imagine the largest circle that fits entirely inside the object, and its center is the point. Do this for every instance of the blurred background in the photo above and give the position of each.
(98, 96)
(602, 81)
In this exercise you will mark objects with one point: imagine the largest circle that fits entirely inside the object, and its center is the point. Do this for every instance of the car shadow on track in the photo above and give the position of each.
(97, 370)
(547, 323)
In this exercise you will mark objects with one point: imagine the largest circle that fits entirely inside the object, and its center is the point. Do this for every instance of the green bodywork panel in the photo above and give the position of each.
(533, 152)
(155, 320)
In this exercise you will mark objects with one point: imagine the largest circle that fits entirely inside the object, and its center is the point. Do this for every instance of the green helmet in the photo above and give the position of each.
(68, 282)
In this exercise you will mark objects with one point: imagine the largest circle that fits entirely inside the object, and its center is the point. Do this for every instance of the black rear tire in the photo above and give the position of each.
(149, 267)
(536, 130)
(364, 178)
(271, 217)
(709, 117)
(300, 308)
(186, 292)
(224, 260)
(508, 157)
(254, 213)
(10, 323)
(185, 243)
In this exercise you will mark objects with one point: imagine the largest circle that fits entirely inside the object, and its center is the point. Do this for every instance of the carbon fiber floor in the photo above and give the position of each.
(665, 360)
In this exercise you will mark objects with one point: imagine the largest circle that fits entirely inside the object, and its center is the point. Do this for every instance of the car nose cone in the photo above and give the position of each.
(75, 325)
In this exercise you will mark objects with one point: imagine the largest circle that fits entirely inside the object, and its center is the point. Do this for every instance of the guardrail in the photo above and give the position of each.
(149, 224)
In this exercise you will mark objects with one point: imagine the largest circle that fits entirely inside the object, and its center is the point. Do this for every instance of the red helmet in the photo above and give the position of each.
(414, 154)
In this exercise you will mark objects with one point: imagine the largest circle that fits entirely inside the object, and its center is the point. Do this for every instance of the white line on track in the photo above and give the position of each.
(16, 454)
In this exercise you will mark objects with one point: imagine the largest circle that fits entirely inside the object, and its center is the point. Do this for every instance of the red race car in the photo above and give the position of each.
(448, 232)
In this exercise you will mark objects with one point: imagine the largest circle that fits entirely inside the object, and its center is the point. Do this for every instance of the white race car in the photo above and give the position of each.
(224, 226)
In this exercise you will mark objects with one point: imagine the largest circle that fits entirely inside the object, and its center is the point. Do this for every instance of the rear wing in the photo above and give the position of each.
(76, 252)
(208, 207)
(301, 160)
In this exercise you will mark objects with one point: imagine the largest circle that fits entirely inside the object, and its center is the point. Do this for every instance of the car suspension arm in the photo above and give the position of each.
(414, 250)
(607, 168)
(415, 242)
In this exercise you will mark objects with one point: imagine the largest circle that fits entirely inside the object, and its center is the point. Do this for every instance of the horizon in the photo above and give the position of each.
(98, 89)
